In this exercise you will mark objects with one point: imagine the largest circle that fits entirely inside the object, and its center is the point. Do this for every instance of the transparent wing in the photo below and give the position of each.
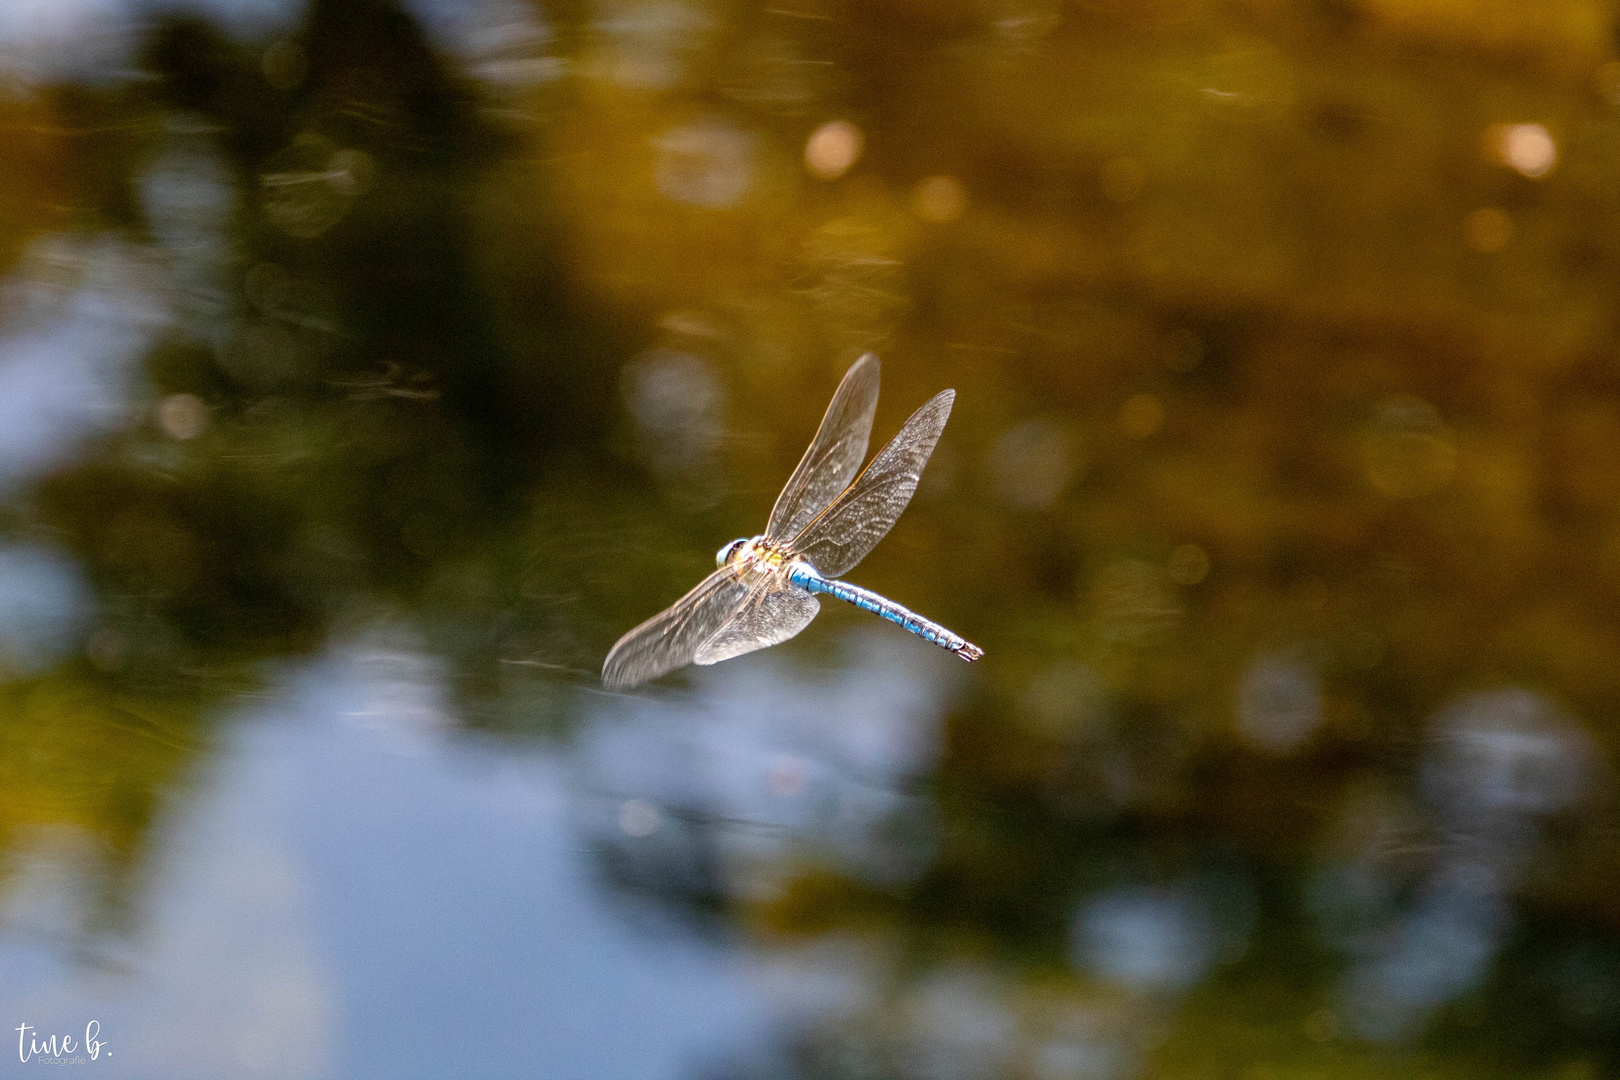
(770, 616)
(843, 533)
(671, 638)
(834, 454)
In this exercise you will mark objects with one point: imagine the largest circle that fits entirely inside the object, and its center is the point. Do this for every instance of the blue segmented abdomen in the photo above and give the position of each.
(805, 577)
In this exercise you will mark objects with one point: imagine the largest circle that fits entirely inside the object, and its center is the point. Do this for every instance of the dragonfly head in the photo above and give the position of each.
(727, 553)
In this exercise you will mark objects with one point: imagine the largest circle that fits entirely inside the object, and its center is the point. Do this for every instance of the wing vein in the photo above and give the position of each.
(838, 538)
(834, 455)
(672, 638)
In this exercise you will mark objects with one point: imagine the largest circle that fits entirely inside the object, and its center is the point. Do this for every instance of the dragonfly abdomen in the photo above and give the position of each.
(805, 577)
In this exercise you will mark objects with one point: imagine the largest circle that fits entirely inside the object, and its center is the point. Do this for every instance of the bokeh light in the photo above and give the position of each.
(1526, 148)
(308, 187)
(833, 148)
(1133, 601)
(638, 818)
(1409, 450)
(939, 199)
(183, 416)
(1279, 704)
(1164, 939)
(284, 64)
(1141, 416)
(708, 163)
(1032, 464)
(679, 408)
(646, 44)
(1189, 564)
(44, 605)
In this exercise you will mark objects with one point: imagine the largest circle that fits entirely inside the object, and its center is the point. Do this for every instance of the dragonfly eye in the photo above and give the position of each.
(724, 555)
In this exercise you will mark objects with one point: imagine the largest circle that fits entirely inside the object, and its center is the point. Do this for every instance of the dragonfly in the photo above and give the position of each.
(766, 588)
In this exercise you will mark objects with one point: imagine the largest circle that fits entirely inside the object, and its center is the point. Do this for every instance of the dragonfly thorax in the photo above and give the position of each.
(756, 553)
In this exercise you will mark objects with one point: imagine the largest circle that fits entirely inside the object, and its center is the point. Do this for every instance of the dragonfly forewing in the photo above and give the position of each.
(672, 638)
(843, 533)
(773, 612)
(838, 449)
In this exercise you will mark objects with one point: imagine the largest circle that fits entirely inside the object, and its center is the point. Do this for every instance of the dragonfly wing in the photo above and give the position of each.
(834, 454)
(770, 616)
(843, 533)
(671, 638)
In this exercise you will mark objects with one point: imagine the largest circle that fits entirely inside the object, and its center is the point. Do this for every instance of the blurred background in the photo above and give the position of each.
(368, 366)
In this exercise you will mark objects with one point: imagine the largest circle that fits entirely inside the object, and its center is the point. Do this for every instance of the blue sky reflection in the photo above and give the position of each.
(350, 896)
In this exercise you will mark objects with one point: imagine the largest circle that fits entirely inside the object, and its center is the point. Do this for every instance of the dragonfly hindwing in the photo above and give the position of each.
(771, 616)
